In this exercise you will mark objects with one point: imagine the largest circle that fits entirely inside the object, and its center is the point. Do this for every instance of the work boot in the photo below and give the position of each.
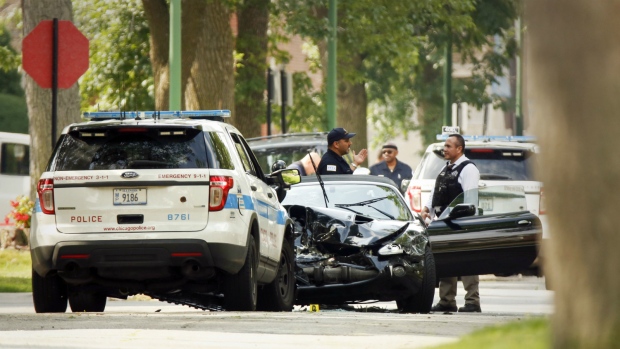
(470, 308)
(440, 308)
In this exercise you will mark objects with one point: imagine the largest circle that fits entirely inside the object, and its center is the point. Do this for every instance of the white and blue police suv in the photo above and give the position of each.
(173, 205)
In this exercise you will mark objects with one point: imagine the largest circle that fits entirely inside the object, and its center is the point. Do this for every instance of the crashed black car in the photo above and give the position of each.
(357, 241)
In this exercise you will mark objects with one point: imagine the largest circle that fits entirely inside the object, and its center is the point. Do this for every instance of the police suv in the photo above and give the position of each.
(501, 160)
(169, 204)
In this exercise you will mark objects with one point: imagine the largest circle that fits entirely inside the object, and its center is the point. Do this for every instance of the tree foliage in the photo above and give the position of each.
(120, 74)
(400, 44)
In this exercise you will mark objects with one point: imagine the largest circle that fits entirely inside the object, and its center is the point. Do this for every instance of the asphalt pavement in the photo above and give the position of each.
(143, 323)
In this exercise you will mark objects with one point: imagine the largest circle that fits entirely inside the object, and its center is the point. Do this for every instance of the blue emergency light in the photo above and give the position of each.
(524, 139)
(164, 114)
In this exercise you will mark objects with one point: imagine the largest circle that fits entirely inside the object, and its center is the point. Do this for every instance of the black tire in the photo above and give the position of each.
(91, 302)
(279, 295)
(241, 289)
(422, 301)
(49, 293)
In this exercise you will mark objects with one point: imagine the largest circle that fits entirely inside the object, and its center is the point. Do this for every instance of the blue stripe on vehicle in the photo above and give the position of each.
(261, 207)
(37, 206)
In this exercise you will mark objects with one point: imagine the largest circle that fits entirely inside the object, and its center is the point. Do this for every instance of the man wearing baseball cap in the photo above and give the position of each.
(391, 167)
(338, 143)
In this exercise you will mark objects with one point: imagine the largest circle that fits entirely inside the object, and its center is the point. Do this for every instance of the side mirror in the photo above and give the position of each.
(282, 180)
(462, 210)
(404, 185)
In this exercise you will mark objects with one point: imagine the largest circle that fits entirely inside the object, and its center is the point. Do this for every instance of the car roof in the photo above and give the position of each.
(288, 140)
(490, 144)
(348, 178)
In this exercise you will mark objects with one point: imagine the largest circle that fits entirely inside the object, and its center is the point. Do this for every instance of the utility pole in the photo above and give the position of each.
(447, 84)
(518, 63)
(174, 100)
(331, 64)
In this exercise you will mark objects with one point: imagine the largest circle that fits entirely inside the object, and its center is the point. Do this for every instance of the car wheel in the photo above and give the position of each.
(279, 295)
(422, 301)
(49, 293)
(92, 302)
(240, 290)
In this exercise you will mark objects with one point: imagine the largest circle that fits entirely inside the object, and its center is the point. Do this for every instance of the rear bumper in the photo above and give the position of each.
(136, 255)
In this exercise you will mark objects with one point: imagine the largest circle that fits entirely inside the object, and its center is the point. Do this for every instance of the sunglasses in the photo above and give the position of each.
(387, 151)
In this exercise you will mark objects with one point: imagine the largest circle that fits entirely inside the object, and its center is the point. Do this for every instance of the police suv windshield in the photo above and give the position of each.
(139, 148)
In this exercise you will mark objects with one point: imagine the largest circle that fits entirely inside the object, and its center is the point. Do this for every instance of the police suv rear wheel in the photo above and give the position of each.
(241, 289)
(49, 293)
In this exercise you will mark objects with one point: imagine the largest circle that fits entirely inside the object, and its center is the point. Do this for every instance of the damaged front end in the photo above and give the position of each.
(343, 257)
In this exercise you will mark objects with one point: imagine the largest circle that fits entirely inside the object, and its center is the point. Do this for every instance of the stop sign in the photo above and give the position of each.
(37, 50)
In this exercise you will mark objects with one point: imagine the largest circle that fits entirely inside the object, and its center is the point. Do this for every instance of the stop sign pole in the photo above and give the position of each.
(54, 79)
(55, 55)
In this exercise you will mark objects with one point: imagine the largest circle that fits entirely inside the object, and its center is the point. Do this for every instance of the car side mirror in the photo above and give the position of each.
(282, 180)
(462, 210)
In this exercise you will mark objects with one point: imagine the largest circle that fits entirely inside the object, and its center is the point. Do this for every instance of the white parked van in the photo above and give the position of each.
(14, 169)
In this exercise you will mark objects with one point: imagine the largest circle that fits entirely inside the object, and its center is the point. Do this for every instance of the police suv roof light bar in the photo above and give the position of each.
(189, 114)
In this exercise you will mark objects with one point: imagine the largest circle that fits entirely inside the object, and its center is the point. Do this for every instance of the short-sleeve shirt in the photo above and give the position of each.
(401, 171)
(298, 166)
(332, 163)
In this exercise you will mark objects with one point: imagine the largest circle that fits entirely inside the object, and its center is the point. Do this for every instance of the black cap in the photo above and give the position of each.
(337, 134)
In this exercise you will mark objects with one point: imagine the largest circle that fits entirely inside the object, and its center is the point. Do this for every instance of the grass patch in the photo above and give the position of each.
(15, 271)
(531, 333)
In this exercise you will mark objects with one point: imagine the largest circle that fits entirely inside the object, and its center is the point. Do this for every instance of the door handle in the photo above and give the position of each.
(270, 195)
(253, 188)
(524, 222)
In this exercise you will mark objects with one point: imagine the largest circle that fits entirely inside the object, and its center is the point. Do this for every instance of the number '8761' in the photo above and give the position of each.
(178, 217)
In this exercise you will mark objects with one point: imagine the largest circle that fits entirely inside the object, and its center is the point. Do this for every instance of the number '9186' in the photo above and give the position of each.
(178, 217)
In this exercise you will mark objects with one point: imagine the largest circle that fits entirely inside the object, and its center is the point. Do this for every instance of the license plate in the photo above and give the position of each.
(486, 204)
(130, 196)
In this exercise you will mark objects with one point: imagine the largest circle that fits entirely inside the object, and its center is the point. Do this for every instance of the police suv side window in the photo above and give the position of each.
(217, 152)
(245, 159)
(253, 160)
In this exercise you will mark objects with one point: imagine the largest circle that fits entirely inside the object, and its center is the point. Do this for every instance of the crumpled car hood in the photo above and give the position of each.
(336, 231)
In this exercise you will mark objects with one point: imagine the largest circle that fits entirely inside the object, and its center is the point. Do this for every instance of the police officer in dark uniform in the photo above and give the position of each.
(458, 176)
(391, 167)
(339, 143)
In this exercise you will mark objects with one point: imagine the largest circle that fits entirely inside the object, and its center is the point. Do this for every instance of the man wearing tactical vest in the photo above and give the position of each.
(460, 175)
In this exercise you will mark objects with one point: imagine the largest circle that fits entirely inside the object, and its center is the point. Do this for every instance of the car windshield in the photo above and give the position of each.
(498, 199)
(493, 164)
(372, 200)
(141, 148)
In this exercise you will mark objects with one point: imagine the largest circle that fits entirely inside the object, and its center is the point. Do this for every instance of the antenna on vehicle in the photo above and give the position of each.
(318, 176)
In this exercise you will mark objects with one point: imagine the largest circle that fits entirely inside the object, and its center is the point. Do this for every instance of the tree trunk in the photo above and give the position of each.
(352, 107)
(253, 19)
(211, 84)
(39, 100)
(207, 53)
(158, 16)
(574, 91)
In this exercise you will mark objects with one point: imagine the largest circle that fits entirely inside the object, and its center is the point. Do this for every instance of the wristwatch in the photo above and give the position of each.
(354, 165)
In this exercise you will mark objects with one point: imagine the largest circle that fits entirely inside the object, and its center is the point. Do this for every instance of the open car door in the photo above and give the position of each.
(496, 236)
